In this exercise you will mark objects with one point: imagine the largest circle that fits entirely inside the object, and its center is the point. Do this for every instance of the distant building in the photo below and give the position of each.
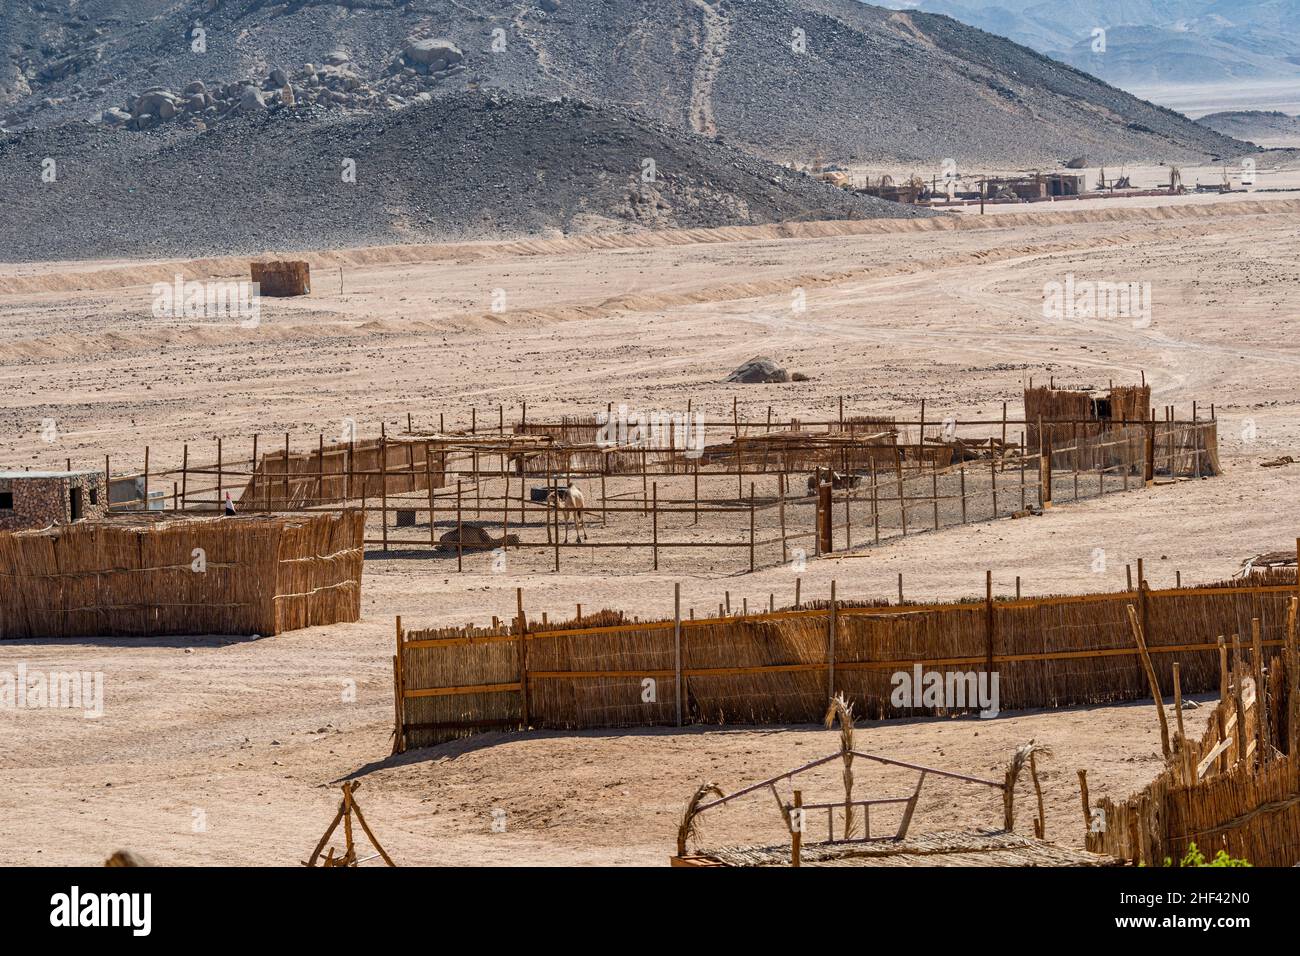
(1037, 186)
(36, 499)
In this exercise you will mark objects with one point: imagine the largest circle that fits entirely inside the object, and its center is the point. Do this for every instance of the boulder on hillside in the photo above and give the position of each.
(251, 101)
(761, 368)
(150, 103)
(435, 55)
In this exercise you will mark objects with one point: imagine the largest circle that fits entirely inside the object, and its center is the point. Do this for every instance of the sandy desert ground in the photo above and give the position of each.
(250, 737)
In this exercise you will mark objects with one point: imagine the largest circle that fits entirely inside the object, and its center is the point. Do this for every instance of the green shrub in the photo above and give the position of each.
(1195, 857)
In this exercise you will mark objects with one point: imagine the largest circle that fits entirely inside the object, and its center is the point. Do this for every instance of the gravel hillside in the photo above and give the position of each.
(786, 78)
(471, 165)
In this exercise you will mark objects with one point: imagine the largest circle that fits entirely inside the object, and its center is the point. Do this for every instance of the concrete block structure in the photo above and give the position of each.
(37, 499)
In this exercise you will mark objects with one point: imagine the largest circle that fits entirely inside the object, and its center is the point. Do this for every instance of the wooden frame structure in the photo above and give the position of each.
(348, 808)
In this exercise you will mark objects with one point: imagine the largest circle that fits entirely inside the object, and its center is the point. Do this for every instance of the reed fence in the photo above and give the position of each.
(601, 670)
(160, 575)
(1237, 789)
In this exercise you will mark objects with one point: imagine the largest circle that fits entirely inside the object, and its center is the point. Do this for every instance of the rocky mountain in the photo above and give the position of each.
(783, 78)
(463, 166)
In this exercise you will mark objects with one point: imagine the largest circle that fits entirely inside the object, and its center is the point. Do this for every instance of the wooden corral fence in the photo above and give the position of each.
(1238, 788)
(773, 493)
(329, 474)
(783, 666)
(145, 577)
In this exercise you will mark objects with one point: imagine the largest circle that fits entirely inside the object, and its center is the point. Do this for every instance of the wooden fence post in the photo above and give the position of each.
(830, 643)
(1261, 695)
(962, 471)
(993, 477)
(990, 622)
(428, 478)
(696, 469)
(1151, 678)
(898, 469)
(875, 501)
(751, 526)
(677, 649)
(522, 630)
(399, 694)
(252, 497)
(1291, 662)
(934, 489)
(785, 553)
(1044, 476)
(383, 480)
(1184, 745)
(796, 831)
(1149, 452)
(654, 523)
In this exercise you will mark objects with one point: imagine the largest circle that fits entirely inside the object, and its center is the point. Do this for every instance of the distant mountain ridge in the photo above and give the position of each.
(1270, 128)
(1147, 42)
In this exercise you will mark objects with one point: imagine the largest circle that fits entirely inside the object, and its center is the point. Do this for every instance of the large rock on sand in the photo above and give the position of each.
(761, 368)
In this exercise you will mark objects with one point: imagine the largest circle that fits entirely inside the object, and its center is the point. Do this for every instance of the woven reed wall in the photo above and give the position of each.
(264, 575)
(282, 278)
(1248, 807)
(1053, 405)
(321, 476)
(775, 668)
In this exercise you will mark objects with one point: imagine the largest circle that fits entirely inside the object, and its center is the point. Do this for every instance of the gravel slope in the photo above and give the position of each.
(466, 166)
(867, 84)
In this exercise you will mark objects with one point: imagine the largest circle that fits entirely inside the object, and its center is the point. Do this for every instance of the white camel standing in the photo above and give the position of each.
(568, 502)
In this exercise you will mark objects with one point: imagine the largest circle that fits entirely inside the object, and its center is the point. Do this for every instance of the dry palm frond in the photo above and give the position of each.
(690, 827)
(125, 858)
(1018, 762)
(842, 709)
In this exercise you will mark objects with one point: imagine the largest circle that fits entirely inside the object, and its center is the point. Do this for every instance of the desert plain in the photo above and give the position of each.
(229, 751)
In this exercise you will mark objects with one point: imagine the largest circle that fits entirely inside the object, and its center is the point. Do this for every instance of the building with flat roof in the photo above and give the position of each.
(38, 499)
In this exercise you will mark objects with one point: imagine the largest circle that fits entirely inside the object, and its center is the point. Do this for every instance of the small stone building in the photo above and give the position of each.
(36, 499)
